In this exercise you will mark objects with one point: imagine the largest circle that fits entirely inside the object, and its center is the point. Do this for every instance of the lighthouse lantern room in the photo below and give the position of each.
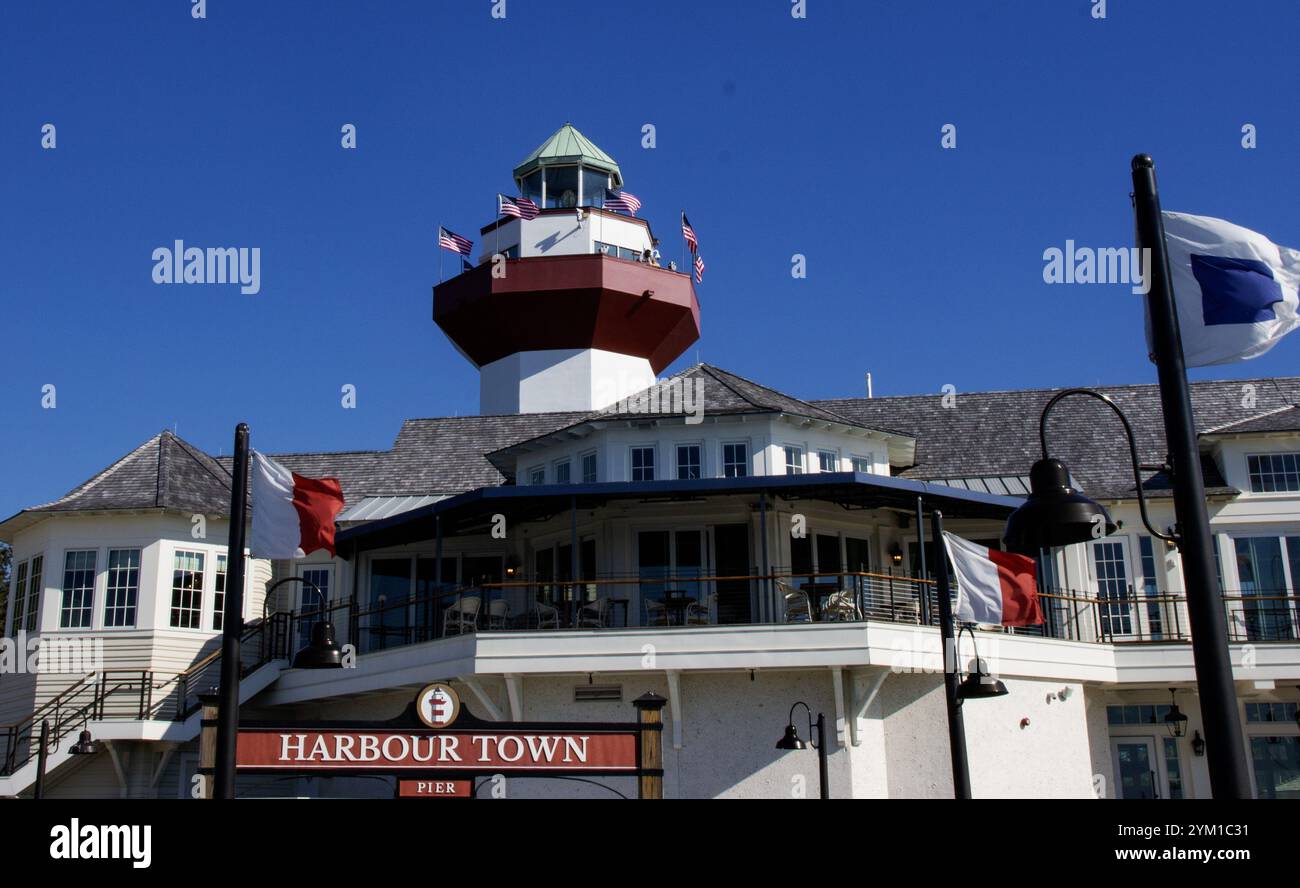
(578, 312)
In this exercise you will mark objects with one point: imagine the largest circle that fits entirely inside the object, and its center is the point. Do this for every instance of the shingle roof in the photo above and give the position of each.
(1283, 419)
(164, 472)
(996, 433)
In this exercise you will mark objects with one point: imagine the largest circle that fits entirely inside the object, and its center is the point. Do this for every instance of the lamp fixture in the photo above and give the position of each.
(791, 740)
(896, 554)
(1175, 718)
(977, 685)
(1198, 744)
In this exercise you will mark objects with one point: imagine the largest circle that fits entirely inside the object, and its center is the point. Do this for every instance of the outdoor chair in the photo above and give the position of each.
(498, 614)
(841, 606)
(461, 616)
(548, 616)
(594, 614)
(705, 613)
(656, 614)
(797, 608)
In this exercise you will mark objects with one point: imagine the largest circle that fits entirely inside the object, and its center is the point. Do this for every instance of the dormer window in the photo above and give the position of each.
(1274, 472)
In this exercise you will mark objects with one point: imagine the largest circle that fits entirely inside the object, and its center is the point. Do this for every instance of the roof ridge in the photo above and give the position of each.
(1228, 425)
(205, 460)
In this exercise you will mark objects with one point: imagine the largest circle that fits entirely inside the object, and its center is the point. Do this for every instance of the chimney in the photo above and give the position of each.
(868, 385)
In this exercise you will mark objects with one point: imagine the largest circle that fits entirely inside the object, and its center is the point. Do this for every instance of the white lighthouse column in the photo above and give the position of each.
(557, 380)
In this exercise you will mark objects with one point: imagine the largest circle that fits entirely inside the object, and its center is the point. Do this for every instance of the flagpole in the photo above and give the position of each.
(681, 254)
(1224, 747)
(232, 625)
(440, 252)
(956, 724)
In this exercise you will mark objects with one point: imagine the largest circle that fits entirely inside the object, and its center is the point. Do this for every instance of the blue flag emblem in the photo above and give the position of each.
(1235, 291)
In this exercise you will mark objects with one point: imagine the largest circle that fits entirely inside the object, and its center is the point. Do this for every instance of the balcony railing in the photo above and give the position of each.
(685, 601)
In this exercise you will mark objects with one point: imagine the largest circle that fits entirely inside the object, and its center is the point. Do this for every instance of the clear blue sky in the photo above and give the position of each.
(778, 136)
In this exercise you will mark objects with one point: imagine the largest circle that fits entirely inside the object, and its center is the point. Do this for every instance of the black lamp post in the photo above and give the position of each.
(322, 651)
(792, 740)
(38, 792)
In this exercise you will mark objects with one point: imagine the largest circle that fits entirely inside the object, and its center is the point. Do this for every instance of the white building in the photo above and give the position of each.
(595, 535)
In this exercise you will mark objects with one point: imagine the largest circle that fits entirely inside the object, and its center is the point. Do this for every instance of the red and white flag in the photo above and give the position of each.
(993, 587)
(293, 516)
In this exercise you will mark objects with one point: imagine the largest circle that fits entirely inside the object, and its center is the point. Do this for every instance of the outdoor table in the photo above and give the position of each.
(619, 602)
(817, 593)
(676, 602)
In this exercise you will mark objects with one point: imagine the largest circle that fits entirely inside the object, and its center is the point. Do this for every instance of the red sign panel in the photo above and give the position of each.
(419, 750)
(434, 789)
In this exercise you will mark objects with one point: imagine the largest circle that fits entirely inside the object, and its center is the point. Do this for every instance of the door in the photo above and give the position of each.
(1114, 586)
(1136, 768)
(731, 542)
(1262, 578)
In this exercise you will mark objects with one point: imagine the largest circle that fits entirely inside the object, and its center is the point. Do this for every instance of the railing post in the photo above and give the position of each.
(145, 680)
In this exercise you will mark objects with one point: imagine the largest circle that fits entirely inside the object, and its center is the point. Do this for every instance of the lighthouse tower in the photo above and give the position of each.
(570, 310)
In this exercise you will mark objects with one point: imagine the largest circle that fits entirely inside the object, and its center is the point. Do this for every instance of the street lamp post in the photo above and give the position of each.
(792, 740)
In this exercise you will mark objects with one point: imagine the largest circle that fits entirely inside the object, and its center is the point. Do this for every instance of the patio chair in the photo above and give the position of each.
(841, 606)
(498, 614)
(656, 614)
(797, 607)
(703, 613)
(594, 614)
(548, 616)
(461, 616)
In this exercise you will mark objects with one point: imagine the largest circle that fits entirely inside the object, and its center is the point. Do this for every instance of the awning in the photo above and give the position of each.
(471, 512)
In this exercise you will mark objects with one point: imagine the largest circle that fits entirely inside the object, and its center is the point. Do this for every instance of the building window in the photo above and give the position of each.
(537, 475)
(1274, 472)
(562, 470)
(311, 602)
(1277, 767)
(26, 594)
(122, 587)
(589, 468)
(187, 590)
(1137, 714)
(643, 463)
(219, 594)
(1173, 769)
(827, 460)
(688, 462)
(78, 590)
(863, 464)
(1262, 713)
(793, 460)
(735, 460)
(1151, 588)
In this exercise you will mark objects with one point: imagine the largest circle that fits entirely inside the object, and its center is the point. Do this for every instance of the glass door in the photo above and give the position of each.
(1135, 762)
(1110, 568)
(1262, 580)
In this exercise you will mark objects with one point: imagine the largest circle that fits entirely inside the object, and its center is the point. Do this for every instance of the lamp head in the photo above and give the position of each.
(323, 652)
(791, 740)
(1054, 514)
(978, 686)
(84, 745)
(1175, 718)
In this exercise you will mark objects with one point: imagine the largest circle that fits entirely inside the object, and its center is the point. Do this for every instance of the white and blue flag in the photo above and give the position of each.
(1234, 288)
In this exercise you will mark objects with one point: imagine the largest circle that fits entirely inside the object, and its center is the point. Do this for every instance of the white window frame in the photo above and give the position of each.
(532, 475)
(677, 458)
(869, 459)
(802, 467)
(203, 602)
(139, 571)
(30, 596)
(94, 588)
(1280, 493)
(835, 459)
(582, 462)
(746, 462)
(654, 461)
(555, 470)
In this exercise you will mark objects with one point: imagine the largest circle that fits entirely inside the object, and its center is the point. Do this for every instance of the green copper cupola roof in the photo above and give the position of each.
(567, 147)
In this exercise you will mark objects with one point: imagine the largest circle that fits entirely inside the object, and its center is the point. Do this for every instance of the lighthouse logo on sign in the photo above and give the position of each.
(438, 705)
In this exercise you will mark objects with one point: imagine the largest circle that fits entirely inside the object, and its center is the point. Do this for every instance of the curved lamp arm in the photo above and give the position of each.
(1132, 450)
(266, 600)
(816, 744)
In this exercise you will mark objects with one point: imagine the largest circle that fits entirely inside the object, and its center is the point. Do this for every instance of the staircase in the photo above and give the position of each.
(123, 704)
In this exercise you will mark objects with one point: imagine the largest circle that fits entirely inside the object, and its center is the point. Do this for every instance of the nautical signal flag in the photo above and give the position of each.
(993, 587)
(699, 269)
(623, 201)
(293, 516)
(1235, 290)
(450, 240)
(519, 207)
(689, 233)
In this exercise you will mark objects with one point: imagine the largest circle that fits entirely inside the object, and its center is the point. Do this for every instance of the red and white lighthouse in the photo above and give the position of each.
(577, 312)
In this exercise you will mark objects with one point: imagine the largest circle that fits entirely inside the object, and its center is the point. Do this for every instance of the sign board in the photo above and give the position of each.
(434, 789)
(439, 738)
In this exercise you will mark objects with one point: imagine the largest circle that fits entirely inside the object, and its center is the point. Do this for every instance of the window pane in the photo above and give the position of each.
(1277, 766)
(735, 460)
(688, 462)
(123, 586)
(219, 594)
(589, 468)
(187, 590)
(78, 590)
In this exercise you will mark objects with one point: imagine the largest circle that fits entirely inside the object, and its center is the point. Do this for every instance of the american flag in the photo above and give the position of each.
(625, 201)
(449, 240)
(699, 269)
(689, 233)
(519, 207)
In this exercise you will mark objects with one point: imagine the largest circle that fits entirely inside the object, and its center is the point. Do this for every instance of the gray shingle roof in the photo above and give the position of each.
(996, 433)
(164, 472)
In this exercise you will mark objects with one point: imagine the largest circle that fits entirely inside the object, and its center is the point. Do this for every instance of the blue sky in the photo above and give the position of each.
(779, 136)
